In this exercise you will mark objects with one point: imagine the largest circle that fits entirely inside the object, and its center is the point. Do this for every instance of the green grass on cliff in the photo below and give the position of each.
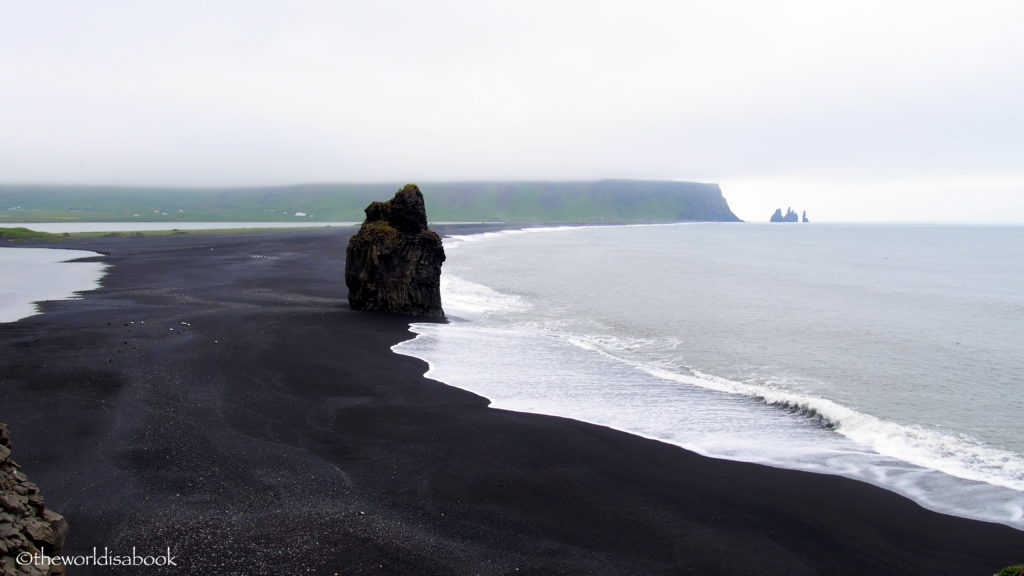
(523, 202)
(24, 234)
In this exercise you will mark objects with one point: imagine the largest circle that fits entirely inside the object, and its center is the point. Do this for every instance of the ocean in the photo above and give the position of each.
(893, 354)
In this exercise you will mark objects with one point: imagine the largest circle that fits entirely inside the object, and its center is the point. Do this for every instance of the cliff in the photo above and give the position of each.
(522, 201)
(26, 525)
(393, 264)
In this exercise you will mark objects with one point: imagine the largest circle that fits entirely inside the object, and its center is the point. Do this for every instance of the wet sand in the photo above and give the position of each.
(217, 396)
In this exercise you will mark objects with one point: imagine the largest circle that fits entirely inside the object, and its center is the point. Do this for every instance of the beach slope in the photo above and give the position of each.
(217, 397)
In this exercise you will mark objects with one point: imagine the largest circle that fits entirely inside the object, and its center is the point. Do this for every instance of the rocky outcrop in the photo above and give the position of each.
(393, 264)
(27, 527)
(789, 216)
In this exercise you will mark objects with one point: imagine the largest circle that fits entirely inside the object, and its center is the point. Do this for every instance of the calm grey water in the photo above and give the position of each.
(30, 275)
(892, 354)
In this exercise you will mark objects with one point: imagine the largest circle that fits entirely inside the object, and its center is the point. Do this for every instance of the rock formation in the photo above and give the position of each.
(393, 264)
(27, 527)
(790, 216)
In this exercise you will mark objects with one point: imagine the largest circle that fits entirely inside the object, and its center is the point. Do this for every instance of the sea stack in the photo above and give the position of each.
(393, 264)
(789, 216)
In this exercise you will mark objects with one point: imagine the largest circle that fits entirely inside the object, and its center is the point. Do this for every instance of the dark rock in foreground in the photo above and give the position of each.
(27, 528)
(393, 264)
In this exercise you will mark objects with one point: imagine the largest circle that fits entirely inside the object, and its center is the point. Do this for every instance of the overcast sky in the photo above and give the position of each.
(877, 110)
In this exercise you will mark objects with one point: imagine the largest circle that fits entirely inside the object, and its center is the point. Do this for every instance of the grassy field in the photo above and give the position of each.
(540, 202)
(14, 234)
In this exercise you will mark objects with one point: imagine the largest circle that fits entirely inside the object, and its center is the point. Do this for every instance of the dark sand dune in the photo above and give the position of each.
(274, 432)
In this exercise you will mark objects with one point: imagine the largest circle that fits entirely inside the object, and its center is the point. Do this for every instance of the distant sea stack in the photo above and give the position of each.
(27, 526)
(393, 264)
(789, 216)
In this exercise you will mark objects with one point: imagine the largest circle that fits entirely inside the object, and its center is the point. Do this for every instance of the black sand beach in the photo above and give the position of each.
(217, 396)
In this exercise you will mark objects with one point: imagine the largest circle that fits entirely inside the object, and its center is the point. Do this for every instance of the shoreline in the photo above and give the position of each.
(276, 430)
(1014, 523)
(921, 464)
(63, 279)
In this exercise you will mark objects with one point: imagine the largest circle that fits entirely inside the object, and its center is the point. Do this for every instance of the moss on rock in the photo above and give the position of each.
(393, 264)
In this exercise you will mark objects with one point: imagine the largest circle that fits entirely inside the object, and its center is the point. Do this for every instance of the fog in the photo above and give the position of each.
(853, 111)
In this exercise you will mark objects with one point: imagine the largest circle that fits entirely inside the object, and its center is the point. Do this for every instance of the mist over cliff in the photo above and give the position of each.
(537, 201)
